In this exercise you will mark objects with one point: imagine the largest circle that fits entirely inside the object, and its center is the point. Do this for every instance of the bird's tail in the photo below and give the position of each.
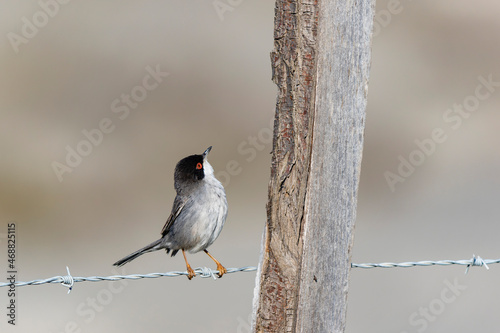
(148, 248)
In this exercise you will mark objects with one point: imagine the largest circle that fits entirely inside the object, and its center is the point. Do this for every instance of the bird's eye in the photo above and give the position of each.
(199, 166)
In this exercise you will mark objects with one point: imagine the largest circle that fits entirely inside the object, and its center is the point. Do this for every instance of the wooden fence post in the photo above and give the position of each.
(321, 63)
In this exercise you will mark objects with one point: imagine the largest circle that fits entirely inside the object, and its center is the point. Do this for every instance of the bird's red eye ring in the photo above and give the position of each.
(199, 166)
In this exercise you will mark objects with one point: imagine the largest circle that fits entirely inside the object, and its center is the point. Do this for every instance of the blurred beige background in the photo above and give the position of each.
(76, 69)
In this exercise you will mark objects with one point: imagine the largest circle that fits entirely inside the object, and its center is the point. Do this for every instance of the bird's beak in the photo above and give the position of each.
(205, 153)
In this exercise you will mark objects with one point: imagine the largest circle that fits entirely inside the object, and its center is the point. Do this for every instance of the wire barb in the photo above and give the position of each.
(67, 280)
(476, 261)
(207, 272)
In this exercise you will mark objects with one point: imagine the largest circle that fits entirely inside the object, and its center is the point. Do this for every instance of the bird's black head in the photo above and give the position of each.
(190, 170)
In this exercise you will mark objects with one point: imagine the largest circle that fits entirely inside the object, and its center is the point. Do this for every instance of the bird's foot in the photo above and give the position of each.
(191, 273)
(222, 270)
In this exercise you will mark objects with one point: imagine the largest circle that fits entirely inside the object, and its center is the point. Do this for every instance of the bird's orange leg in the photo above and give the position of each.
(220, 268)
(191, 273)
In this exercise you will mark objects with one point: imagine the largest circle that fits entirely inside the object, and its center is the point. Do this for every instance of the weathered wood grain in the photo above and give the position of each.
(320, 64)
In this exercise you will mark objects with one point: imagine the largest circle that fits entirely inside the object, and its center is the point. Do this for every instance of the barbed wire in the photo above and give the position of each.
(475, 261)
(69, 280)
(205, 272)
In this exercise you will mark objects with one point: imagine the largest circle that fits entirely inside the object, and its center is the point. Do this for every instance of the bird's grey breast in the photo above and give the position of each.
(202, 217)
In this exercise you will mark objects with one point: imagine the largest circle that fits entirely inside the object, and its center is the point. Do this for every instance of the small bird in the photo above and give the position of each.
(198, 213)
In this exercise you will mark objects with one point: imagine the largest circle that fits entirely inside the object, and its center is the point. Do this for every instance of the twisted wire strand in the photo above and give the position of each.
(69, 281)
(205, 272)
(475, 261)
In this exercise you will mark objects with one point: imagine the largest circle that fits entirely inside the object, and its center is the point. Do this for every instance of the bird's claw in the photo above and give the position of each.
(191, 273)
(222, 270)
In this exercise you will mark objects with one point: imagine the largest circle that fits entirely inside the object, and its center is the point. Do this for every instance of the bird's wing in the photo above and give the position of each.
(179, 204)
